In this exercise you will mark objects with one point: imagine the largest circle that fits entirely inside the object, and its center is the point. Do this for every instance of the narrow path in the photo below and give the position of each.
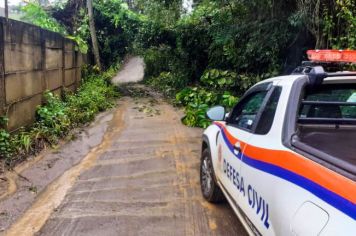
(142, 179)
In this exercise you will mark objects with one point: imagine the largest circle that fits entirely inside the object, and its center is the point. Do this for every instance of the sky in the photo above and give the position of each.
(14, 2)
(10, 2)
(188, 5)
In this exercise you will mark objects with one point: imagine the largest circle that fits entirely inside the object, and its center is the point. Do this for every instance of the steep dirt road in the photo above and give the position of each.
(132, 71)
(141, 179)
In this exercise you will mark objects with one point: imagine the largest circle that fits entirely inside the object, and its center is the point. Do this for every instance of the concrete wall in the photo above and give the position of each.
(33, 60)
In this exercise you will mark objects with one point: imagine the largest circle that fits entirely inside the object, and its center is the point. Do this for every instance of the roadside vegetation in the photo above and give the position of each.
(59, 115)
(212, 55)
(198, 58)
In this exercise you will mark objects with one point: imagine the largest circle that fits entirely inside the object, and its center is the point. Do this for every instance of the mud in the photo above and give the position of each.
(27, 181)
(35, 216)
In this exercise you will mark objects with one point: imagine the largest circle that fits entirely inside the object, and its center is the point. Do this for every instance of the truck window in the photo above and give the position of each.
(265, 123)
(335, 96)
(244, 114)
(326, 126)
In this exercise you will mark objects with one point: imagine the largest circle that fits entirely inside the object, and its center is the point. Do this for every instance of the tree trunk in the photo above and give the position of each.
(94, 39)
(6, 9)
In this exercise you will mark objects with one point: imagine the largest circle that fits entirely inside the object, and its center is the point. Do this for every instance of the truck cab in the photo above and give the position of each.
(284, 157)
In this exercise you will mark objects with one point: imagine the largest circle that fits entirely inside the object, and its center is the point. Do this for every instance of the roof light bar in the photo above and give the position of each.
(347, 56)
(314, 69)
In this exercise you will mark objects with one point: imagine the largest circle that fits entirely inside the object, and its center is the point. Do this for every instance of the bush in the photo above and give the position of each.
(157, 60)
(196, 95)
(195, 115)
(168, 83)
(228, 100)
(218, 79)
(54, 115)
(35, 14)
(6, 149)
(57, 116)
(197, 100)
(91, 98)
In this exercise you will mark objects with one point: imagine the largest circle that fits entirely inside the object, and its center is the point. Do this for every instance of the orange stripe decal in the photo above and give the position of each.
(335, 189)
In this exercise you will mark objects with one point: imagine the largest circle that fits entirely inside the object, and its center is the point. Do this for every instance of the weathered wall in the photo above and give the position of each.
(33, 60)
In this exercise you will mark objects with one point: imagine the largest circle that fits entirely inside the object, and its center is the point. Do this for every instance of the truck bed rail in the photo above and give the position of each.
(331, 121)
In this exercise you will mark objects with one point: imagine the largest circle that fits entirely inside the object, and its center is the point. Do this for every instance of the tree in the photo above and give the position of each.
(71, 15)
(93, 33)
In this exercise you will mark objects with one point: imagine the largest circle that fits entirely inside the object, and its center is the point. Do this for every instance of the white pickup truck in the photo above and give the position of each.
(285, 156)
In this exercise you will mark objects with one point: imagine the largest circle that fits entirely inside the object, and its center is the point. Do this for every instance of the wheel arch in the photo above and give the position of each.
(205, 143)
(210, 138)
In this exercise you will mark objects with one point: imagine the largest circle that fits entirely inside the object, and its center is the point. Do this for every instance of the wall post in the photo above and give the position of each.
(43, 60)
(63, 64)
(2, 69)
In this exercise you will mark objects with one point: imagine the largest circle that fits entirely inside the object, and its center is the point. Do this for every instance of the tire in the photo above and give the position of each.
(209, 188)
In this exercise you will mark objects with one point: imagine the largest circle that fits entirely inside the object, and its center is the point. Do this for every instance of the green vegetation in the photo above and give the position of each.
(199, 59)
(224, 47)
(214, 88)
(213, 54)
(59, 115)
(33, 13)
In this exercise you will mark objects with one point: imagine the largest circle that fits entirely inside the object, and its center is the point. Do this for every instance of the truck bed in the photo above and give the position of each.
(334, 145)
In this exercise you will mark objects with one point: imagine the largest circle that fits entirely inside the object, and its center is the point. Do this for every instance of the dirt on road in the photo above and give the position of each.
(140, 178)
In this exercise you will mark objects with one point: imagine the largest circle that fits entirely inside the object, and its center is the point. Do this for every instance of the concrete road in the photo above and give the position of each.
(141, 179)
(146, 182)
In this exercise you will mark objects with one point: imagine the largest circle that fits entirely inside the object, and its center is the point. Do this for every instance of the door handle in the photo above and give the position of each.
(237, 148)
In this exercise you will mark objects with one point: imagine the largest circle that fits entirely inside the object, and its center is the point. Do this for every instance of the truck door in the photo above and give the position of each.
(259, 190)
(233, 138)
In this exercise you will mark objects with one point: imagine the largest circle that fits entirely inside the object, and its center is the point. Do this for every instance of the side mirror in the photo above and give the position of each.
(216, 113)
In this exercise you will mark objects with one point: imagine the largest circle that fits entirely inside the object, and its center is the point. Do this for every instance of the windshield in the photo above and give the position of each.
(337, 102)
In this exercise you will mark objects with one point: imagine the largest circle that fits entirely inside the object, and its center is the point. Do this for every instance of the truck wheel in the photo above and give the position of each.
(209, 188)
